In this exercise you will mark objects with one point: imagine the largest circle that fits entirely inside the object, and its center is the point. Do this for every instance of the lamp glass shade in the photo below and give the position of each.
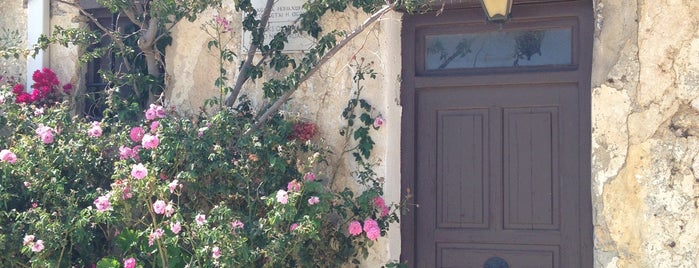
(497, 10)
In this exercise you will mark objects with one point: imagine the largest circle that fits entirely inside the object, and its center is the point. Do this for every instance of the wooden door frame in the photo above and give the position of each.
(411, 79)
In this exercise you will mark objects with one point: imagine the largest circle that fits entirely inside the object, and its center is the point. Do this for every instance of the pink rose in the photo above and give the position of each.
(157, 234)
(27, 184)
(130, 263)
(38, 111)
(27, 239)
(154, 126)
(313, 200)
(369, 224)
(176, 227)
(8, 156)
(38, 246)
(150, 141)
(236, 224)
(384, 211)
(155, 111)
(102, 203)
(138, 171)
(373, 234)
(126, 194)
(200, 219)
(215, 252)
(282, 197)
(136, 134)
(45, 133)
(379, 202)
(293, 186)
(355, 228)
(2, 99)
(371, 227)
(378, 121)
(159, 207)
(293, 227)
(95, 130)
(173, 185)
(310, 176)
(169, 209)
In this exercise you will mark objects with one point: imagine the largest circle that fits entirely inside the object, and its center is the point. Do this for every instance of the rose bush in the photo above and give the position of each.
(170, 191)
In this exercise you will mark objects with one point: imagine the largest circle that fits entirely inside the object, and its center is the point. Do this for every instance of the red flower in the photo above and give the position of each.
(304, 131)
(18, 89)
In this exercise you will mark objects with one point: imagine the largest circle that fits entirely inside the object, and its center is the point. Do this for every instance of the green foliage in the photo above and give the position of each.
(234, 199)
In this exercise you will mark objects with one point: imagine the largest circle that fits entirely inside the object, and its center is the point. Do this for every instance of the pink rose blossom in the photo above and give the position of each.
(310, 176)
(126, 194)
(237, 224)
(95, 130)
(45, 133)
(282, 197)
(27, 239)
(157, 234)
(313, 200)
(102, 203)
(38, 246)
(27, 184)
(369, 224)
(293, 227)
(215, 252)
(159, 207)
(371, 227)
(384, 211)
(355, 228)
(150, 141)
(2, 99)
(154, 126)
(38, 111)
(138, 171)
(378, 121)
(173, 185)
(125, 152)
(155, 111)
(169, 209)
(136, 134)
(293, 186)
(176, 227)
(200, 219)
(379, 202)
(130, 263)
(373, 234)
(8, 156)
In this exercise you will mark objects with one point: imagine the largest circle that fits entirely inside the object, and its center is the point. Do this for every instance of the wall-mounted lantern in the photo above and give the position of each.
(497, 10)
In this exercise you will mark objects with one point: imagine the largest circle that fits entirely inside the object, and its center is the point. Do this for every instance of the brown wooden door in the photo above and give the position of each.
(496, 151)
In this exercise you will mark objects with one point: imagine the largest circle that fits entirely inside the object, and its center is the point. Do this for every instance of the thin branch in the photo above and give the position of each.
(243, 73)
(278, 103)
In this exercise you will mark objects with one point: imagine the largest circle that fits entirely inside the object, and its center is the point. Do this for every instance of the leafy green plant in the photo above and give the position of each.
(170, 191)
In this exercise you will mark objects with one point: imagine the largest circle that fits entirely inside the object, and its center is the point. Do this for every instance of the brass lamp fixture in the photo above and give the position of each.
(497, 10)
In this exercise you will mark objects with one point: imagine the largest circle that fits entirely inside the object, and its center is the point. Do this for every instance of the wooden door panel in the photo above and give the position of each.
(520, 256)
(531, 179)
(462, 157)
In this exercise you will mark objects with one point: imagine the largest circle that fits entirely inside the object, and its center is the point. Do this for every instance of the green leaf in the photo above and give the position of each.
(108, 263)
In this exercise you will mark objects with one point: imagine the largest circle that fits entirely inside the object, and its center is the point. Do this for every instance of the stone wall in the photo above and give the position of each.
(645, 116)
(16, 21)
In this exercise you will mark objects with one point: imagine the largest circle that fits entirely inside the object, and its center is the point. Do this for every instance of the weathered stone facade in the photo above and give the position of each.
(645, 117)
(645, 120)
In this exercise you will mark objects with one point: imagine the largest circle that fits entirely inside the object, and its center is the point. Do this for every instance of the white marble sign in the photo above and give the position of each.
(284, 12)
